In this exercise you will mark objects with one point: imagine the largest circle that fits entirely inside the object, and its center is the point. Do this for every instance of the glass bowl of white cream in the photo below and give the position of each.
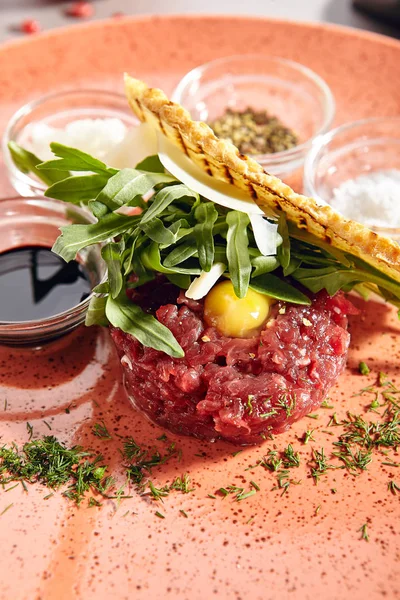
(98, 122)
(356, 169)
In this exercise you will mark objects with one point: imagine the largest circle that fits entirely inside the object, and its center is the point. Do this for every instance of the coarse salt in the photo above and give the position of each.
(372, 198)
(94, 136)
(107, 139)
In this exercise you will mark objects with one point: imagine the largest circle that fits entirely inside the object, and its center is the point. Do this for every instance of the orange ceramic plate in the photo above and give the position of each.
(305, 543)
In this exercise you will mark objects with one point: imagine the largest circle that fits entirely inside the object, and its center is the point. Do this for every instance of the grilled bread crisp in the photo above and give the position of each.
(223, 161)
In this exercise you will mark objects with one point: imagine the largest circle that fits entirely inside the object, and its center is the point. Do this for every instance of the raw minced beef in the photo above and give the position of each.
(239, 390)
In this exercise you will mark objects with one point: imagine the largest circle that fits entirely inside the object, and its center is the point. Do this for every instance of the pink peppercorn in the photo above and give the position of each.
(30, 26)
(81, 10)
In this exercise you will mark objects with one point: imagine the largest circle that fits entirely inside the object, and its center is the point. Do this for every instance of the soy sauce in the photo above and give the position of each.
(35, 283)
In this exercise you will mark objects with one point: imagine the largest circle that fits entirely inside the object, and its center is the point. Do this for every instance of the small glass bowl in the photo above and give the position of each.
(57, 110)
(36, 222)
(286, 89)
(349, 151)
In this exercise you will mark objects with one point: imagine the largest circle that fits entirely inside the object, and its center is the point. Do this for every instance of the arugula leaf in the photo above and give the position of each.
(180, 253)
(98, 209)
(131, 243)
(152, 164)
(164, 198)
(111, 254)
(206, 215)
(72, 159)
(128, 186)
(283, 250)
(313, 243)
(75, 237)
(237, 251)
(157, 232)
(278, 288)
(263, 264)
(102, 288)
(27, 162)
(151, 259)
(129, 317)
(77, 188)
(333, 279)
(96, 314)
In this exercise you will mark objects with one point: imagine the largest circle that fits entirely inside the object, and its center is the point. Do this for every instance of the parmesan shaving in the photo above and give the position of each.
(181, 167)
(203, 284)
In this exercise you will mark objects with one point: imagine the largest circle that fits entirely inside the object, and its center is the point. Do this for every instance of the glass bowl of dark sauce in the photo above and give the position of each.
(41, 296)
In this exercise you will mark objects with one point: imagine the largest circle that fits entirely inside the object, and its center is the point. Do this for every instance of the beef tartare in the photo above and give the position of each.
(225, 289)
(239, 390)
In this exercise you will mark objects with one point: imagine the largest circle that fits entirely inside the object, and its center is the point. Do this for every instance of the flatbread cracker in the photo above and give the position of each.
(223, 161)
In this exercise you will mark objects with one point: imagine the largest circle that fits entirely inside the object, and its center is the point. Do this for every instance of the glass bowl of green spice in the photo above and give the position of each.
(271, 108)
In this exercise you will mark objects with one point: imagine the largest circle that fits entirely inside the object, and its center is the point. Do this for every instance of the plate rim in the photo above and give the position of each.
(114, 22)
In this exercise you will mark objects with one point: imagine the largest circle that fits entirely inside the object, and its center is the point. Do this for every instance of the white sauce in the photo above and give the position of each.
(372, 199)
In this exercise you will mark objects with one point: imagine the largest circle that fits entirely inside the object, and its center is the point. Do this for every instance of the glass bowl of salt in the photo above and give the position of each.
(98, 122)
(356, 169)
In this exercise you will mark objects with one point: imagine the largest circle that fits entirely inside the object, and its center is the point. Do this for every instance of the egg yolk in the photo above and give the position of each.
(233, 316)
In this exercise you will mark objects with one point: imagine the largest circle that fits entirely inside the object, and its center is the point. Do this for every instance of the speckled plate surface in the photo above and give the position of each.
(305, 543)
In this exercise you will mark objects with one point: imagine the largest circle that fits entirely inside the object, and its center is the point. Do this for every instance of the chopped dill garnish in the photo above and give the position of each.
(131, 449)
(245, 495)
(255, 485)
(52, 464)
(290, 458)
(12, 487)
(6, 509)
(162, 438)
(364, 532)
(101, 431)
(268, 414)
(325, 404)
(374, 405)
(157, 493)
(317, 510)
(237, 452)
(393, 487)
(364, 368)
(249, 404)
(184, 513)
(47, 424)
(30, 430)
(287, 403)
(284, 481)
(319, 464)
(333, 421)
(48, 496)
(382, 379)
(182, 484)
(353, 459)
(239, 492)
(5, 404)
(391, 463)
(307, 437)
(159, 515)
(93, 502)
(211, 496)
(271, 462)
(313, 416)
